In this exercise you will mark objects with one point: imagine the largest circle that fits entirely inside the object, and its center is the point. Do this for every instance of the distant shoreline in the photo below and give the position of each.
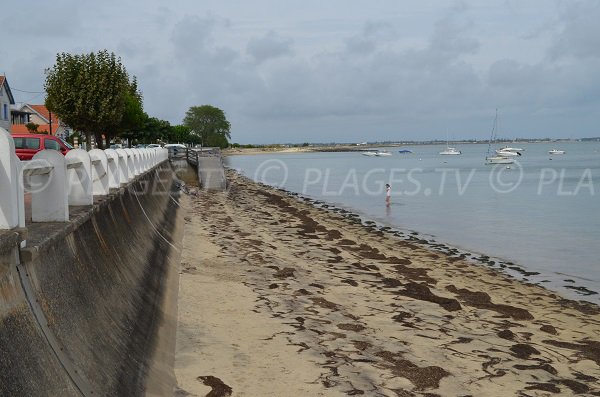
(361, 148)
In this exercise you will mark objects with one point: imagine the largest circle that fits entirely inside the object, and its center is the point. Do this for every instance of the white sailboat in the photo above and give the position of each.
(450, 151)
(498, 158)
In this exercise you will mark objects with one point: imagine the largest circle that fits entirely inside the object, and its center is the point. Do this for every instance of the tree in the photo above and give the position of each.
(32, 127)
(148, 130)
(91, 93)
(210, 124)
(183, 134)
(134, 117)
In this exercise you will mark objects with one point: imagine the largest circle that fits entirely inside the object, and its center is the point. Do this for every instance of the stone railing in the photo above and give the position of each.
(56, 181)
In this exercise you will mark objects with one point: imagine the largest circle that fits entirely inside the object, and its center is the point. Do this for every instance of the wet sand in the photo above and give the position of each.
(281, 298)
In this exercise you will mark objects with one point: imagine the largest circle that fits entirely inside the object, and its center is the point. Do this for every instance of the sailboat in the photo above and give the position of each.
(498, 158)
(449, 150)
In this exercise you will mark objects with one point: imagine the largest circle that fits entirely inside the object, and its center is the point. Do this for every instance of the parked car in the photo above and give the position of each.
(27, 145)
(175, 148)
(153, 145)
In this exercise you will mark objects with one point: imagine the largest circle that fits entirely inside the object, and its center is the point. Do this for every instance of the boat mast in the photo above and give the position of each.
(493, 135)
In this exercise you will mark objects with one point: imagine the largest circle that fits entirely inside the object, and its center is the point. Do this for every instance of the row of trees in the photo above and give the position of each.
(94, 94)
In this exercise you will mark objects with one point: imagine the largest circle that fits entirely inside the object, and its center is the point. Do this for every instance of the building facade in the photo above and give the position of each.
(6, 100)
(45, 122)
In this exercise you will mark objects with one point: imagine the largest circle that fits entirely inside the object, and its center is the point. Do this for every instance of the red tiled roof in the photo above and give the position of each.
(18, 129)
(42, 110)
(2, 78)
(22, 129)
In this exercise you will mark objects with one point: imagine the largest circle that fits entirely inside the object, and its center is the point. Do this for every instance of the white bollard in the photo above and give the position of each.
(130, 167)
(99, 172)
(136, 162)
(79, 177)
(49, 200)
(9, 182)
(144, 160)
(123, 168)
(20, 190)
(112, 168)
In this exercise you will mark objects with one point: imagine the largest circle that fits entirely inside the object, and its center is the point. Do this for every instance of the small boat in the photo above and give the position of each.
(513, 149)
(404, 151)
(556, 151)
(505, 152)
(450, 151)
(499, 158)
(378, 153)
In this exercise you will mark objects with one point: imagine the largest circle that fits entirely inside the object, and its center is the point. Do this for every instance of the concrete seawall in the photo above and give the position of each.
(89, 307)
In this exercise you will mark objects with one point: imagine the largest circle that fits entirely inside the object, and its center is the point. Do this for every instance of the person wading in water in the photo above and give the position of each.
(388, 194)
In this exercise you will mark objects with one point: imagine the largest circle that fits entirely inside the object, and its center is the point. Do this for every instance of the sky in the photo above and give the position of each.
(288, 71)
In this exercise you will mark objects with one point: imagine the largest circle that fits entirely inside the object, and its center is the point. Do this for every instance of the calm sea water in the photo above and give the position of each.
(542, 213)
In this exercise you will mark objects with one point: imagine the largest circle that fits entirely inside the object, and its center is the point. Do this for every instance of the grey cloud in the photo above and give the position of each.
(193, 32)
(48, 20)
(373, 36)
(450, 40)
(579, 35)
(269, 46)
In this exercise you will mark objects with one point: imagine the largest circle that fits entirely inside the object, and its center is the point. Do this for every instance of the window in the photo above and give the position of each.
(27, 143)
(5, 111)
(51, 144)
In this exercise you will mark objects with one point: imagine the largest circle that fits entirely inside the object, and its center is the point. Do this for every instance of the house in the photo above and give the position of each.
(46, 121)
(6, 99)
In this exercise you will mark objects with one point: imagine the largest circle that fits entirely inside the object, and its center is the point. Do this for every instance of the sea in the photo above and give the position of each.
(541, 213)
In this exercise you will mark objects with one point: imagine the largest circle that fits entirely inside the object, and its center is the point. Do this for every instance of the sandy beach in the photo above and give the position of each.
(280, 298)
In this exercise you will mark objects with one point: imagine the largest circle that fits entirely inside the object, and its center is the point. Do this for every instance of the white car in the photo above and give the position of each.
(177, 146)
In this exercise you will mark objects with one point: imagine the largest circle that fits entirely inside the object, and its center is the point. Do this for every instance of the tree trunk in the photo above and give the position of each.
(88, 141)
(99, 141)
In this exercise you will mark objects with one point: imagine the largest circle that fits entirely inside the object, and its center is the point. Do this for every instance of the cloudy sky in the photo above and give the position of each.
(333, 70)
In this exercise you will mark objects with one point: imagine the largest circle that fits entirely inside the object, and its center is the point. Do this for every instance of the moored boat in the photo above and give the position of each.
(505, 152)
(499, 160)
(450, 151)
(502, 155)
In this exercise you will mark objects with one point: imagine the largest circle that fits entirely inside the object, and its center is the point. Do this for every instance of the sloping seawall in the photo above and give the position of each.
(89, 307)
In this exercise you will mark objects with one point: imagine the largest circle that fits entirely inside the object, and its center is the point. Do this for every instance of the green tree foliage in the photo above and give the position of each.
(148, 130)
(183, 134)
(32, 127)
(210, 124)
(92, 93)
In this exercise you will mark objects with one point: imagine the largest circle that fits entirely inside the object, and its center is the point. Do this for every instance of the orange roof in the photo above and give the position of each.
(22, 129)
(42, 110)
(2, 79)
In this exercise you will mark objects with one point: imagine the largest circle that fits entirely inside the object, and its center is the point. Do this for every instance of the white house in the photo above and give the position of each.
(6, 99)
(47, 122)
